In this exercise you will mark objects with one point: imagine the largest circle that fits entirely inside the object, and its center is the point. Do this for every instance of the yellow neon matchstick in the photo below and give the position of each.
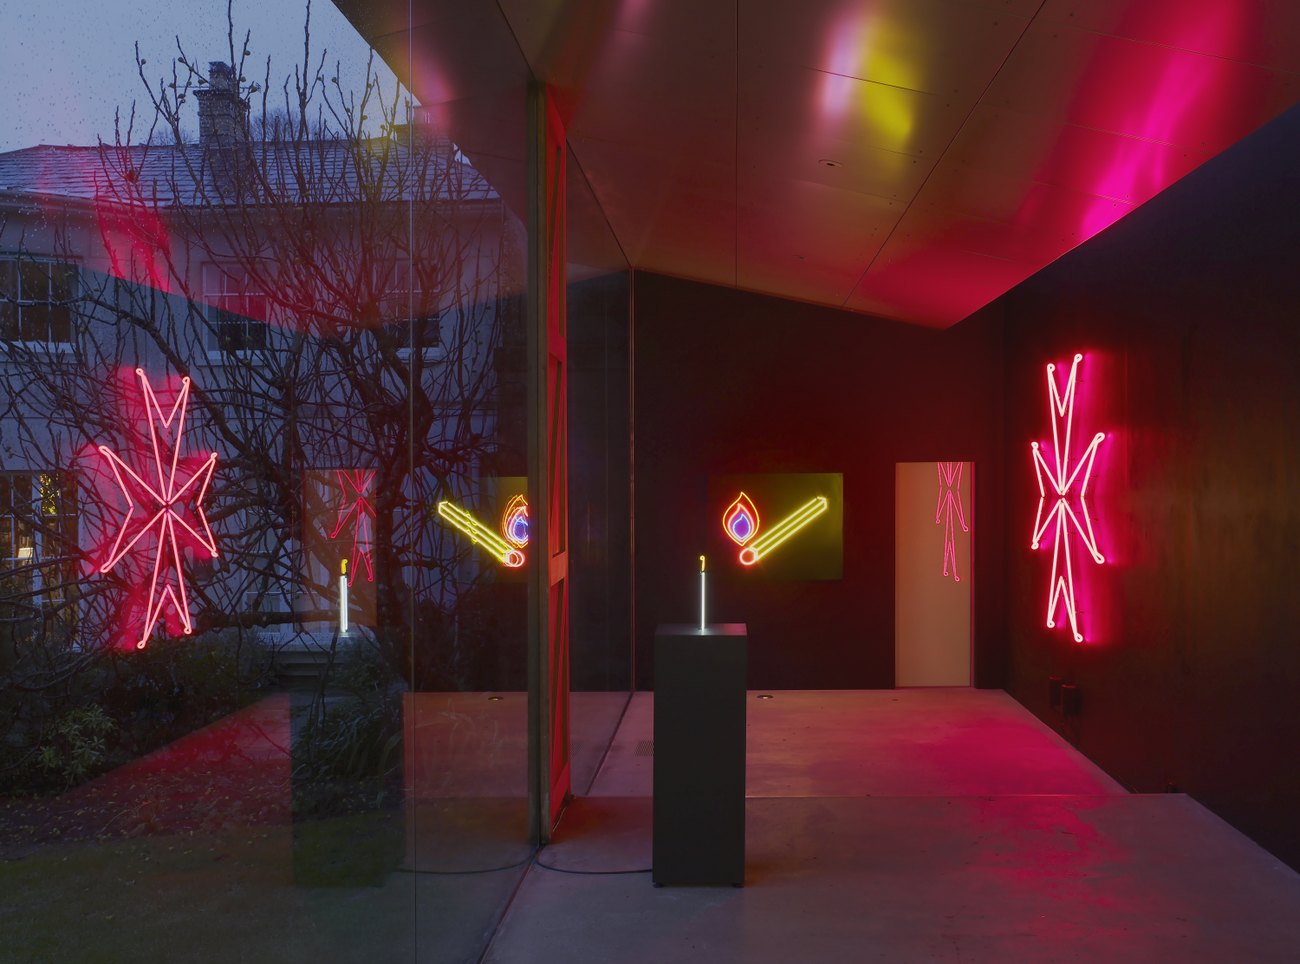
(783, 530)
(496, 547)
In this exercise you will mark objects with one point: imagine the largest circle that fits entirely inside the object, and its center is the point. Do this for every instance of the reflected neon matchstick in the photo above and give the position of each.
(783, 530)
(496, 547)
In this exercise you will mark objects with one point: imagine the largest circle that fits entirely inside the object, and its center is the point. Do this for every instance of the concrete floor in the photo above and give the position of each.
(907, 825)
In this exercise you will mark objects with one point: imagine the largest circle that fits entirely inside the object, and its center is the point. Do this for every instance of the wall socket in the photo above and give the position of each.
(1071, 699)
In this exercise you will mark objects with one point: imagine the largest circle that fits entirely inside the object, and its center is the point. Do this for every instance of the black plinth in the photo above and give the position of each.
(699, 754)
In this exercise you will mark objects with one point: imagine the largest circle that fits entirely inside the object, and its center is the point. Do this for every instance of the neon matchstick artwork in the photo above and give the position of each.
(497, 547)
(1056, 490)
(162, 509)
(740, 523)
(356, 506)
(946, 509)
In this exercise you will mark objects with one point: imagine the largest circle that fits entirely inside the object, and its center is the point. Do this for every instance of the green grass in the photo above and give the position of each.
(245, 895)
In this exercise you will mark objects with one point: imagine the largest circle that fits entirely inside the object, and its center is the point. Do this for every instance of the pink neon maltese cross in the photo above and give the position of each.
(161, 509)
(1056, 490)
(356, 507)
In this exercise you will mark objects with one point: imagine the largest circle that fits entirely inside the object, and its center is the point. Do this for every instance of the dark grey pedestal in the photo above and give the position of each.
(699, 757)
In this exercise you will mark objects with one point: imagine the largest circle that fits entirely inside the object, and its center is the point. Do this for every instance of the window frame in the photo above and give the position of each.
(50, 543)
(19, 303)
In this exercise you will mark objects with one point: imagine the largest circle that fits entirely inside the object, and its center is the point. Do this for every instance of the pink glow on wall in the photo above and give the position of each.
(740, 520)
(161, 506)
(355, 506)
(946, 510)
(1059, 485)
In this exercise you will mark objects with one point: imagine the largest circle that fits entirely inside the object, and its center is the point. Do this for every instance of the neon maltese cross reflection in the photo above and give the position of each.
(1056, 490)
(161, 509)
(358, 508)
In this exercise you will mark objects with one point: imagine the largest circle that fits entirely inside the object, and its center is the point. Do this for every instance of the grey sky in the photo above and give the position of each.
(67, 65)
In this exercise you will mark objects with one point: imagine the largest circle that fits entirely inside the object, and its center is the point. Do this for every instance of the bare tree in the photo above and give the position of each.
(335, 283)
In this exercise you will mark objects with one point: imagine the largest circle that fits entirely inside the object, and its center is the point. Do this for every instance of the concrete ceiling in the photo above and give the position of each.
(912, 159)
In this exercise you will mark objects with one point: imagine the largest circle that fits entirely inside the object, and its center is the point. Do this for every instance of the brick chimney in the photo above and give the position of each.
(223, 126)
(223, 114)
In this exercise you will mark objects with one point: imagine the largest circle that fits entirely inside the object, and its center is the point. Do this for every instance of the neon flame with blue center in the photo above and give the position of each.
(740, 521)
(514, 522)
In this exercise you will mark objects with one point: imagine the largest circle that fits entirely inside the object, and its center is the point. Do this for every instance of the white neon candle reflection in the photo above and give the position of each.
(343, 597)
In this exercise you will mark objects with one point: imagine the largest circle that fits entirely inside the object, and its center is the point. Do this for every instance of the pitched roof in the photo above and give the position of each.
(314, 171)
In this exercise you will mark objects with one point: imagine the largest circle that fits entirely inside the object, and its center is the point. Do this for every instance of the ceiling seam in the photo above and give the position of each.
(943, 153)
(735, 72)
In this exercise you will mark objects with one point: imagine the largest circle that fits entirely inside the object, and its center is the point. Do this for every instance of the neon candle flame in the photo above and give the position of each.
(740, 521)
(164, 501)
(1062, 479)
(514, 522)
(783, 530)
(480, 534)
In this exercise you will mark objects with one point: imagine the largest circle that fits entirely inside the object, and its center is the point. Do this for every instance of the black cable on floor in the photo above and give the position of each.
(465, 873)
(585, 873)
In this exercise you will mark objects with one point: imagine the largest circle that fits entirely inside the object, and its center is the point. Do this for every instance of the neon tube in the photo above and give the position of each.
(478, 533)
(164, 501)
(949, 504)
(343, 597)
(703, 621)
(740, 520)
(514, 522)
(360, 511)
(783, 530)
(1061, 481)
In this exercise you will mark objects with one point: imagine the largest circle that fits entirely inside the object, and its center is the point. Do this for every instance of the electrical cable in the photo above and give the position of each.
(585, 873)
(465, 873)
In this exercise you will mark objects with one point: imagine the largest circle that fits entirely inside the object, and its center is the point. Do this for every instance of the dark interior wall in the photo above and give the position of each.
(1189, 314)
(728, 383)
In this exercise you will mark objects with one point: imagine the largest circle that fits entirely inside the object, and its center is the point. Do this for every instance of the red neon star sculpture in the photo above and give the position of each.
(359, 509)
(948, 506)
(1061, 481)
(161, 508)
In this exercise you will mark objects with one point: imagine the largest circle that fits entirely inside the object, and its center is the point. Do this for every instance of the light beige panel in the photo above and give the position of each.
(932, 612)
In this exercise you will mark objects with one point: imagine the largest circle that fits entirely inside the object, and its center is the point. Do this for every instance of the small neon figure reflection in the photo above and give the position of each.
(946, 509)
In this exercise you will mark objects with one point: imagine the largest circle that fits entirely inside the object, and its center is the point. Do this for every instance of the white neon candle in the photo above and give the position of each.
(703, 621)
(343, 597)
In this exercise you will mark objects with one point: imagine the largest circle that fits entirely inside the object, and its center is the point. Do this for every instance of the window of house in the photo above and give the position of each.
(38, 532)
(236, 310)
(36, 296)
(408, 317)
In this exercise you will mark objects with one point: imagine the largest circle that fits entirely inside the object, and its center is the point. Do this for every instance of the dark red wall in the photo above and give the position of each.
(1189, 312)
(729, 382)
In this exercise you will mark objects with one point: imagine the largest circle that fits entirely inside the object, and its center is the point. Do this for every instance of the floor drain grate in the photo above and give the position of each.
(645, 748)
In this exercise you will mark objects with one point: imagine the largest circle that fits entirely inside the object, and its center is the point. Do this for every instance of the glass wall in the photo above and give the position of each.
(600, 507)
(262, 608)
